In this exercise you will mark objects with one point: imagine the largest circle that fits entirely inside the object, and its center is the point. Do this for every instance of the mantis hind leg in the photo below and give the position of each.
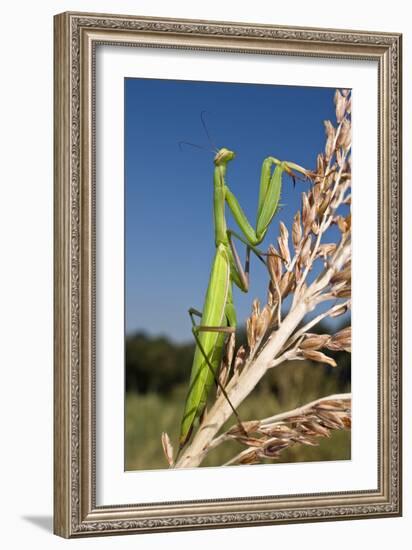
(231, 318)
(204, 328)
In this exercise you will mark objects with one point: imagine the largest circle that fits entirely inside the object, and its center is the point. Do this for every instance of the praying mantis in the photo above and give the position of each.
(218, 317)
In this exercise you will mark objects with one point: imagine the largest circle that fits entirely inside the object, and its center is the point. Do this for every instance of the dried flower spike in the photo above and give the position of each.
(167, 448)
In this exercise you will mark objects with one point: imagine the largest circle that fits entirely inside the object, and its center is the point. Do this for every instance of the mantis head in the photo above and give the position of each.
(223, 156)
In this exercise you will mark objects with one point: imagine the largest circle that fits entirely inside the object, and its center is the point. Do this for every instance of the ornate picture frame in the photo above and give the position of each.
(76, 37)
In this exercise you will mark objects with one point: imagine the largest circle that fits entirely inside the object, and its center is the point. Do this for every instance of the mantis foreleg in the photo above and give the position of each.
(239, 275)
(268, 202)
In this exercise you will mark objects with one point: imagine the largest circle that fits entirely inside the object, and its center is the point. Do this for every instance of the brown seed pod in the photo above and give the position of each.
(314, 341)
(296, 230)
(319, 357)
(283, 242)
(340, 105)
(167, 448)
(239, 359)
(330, 141)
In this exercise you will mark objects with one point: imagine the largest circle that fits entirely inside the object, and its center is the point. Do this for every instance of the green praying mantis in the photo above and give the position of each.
(218, 318)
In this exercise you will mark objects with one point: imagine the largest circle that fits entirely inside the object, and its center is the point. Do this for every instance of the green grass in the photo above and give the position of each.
(148, 415)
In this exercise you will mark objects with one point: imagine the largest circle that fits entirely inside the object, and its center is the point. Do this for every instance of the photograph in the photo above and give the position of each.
(237, 273)
(214, 365)
(196, 351)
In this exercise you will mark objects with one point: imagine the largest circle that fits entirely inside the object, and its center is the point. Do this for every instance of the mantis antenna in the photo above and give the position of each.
(202, 115)
(213, 149)
(192, 145)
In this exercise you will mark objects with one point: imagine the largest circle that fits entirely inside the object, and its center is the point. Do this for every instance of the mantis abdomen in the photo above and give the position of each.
(217, 309)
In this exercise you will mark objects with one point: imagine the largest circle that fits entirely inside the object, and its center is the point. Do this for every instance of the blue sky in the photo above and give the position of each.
(169, 218)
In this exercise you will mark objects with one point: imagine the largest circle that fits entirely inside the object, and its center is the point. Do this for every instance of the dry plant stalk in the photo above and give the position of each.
(272, 340)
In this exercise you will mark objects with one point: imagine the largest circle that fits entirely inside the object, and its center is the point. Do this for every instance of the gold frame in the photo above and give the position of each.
(75, 510)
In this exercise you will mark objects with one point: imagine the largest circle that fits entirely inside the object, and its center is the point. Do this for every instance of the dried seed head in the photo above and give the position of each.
(287, 284)
(167, 448)
(249, 427)
(342, 340)
(249, 456)
(330, 141)
(310, 219)
(331, 420)
(284, 233)
(277, 430)
(250, 332)
(343, 224)
(226, 363)
(340, 310)
(320, 164)
(274, 294)
(305, 209)
(325, 203)
(344, 333)
(315, 228)
(260, 328)
(283, 242)
(314, 341)
(340, 105)
(297, 272)
(253, 324)
(269, 297)
(274, 264)
(250, 441)
(230, 348)
(317, 429)
(342, 276)
(239, 359)
(307, 441)
(345, 135)
(319, 357)
(330, 178)
(331, 405)
(296, 230)
(263, 322)
(340, 159)
(316, 193)
(273, 447)
(306, 249)
(314, 422)
(325, 250)
(342, 293)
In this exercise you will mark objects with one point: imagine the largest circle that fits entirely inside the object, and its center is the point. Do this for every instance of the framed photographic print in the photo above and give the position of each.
(226, 354)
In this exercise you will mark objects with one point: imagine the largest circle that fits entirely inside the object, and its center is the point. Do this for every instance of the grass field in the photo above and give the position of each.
(148, 415)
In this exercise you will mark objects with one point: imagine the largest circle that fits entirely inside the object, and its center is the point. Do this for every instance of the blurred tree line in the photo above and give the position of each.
(157, 375)
(158, 365)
